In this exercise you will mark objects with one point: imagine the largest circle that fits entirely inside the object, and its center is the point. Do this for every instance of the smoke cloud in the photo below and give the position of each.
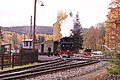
(67, 26)
(63, 26)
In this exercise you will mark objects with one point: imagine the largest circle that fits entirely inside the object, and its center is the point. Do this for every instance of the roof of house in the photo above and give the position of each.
(28, 40)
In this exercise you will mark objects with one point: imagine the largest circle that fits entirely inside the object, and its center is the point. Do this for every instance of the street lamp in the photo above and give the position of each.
(35, 23)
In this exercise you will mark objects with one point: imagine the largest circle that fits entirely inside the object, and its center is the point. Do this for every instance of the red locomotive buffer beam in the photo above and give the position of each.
(65, 52)
(87, 52)
(66, 47)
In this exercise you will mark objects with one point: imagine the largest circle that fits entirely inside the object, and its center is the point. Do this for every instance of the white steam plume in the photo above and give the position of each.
(67, 26)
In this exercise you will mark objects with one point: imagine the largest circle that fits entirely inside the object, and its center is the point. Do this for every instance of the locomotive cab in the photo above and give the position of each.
(67, 46)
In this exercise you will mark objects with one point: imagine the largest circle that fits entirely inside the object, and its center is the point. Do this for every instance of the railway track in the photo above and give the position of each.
(29, 67)
(44, 68)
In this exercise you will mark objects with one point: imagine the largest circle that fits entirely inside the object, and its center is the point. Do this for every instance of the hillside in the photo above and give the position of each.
(26, 29)
(39, 29)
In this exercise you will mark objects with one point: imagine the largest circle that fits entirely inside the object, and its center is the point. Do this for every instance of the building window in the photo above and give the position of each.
(25, 43)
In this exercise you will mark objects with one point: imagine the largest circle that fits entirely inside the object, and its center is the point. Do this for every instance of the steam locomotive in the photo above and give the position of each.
(64, 47)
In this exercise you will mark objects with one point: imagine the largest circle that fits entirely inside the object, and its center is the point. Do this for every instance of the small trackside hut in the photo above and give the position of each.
(43, 47)
(27, 43)
(27, 50)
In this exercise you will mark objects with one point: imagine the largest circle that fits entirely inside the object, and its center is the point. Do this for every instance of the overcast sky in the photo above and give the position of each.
(18, 12)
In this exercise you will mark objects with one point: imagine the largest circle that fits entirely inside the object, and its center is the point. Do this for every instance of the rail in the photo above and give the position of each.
(44, 69)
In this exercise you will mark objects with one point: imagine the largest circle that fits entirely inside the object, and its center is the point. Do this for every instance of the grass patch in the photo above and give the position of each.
(15, 67)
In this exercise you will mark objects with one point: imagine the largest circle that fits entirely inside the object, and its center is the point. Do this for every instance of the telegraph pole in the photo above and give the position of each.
(31, 27)
(34, 38)
(34, 25)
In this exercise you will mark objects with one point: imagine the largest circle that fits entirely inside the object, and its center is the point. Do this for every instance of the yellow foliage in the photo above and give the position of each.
(56, 27)
(112, 27)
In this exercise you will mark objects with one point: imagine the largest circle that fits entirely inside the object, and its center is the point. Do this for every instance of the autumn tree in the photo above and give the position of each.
(77, 33)
(101, 27)
(113, 34)
(14, 39)
(113, 25)
(95, 37)
(41, 39)
(101, 35)
(56, 26)
(0, 34)
(91, 38)
(0, 37)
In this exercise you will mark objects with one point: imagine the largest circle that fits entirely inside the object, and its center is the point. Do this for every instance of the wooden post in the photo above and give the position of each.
(2, 62)
(31, 27)
(13, 60)
(10, 50)
(21, 59)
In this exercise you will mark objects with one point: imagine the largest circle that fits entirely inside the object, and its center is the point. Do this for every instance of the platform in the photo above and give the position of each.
(46, 58)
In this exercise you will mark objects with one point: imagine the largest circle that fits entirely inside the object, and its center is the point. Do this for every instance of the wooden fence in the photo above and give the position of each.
(17, 59)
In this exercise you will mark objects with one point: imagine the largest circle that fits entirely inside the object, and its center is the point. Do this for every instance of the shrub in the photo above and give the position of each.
(115, 69)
